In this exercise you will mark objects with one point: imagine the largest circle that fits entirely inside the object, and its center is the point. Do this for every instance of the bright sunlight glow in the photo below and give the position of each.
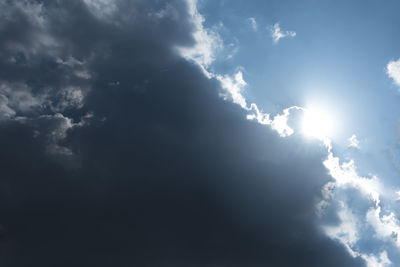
(317, 123)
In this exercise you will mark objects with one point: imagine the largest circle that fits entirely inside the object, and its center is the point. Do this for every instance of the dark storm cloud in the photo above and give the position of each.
(162, 172)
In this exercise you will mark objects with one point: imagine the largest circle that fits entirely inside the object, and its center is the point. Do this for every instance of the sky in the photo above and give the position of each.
(199, 133)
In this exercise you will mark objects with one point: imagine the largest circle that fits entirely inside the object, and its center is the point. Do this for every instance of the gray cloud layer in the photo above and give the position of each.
(115, 151)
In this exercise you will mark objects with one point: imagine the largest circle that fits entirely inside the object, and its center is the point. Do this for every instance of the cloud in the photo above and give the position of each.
(344, 175)
(117, 126)
(393, 70)
(346, 232)
(278, 34)
(354, 142)
(253, 23)
(102, 8)
(207, 42)
(386, 226)
(23, 22)
(233, 87)
(19, 99)
(280, 122)
(381, 261)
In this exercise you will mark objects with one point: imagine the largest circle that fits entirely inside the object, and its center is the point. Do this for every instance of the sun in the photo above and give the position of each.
(317, 123)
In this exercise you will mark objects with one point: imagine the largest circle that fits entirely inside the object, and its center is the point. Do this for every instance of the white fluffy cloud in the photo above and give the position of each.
(278, 34)
(393, 70)
(346, 176)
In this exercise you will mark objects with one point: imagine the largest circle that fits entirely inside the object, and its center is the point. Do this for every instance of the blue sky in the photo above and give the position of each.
(339, 56)
(337, 59)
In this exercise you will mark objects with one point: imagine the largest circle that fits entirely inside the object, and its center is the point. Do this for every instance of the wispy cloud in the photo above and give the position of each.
(278, 34)
(253, 23)
(354, 142)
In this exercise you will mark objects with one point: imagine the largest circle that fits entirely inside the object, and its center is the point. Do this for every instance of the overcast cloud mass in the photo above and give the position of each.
(126, 141)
